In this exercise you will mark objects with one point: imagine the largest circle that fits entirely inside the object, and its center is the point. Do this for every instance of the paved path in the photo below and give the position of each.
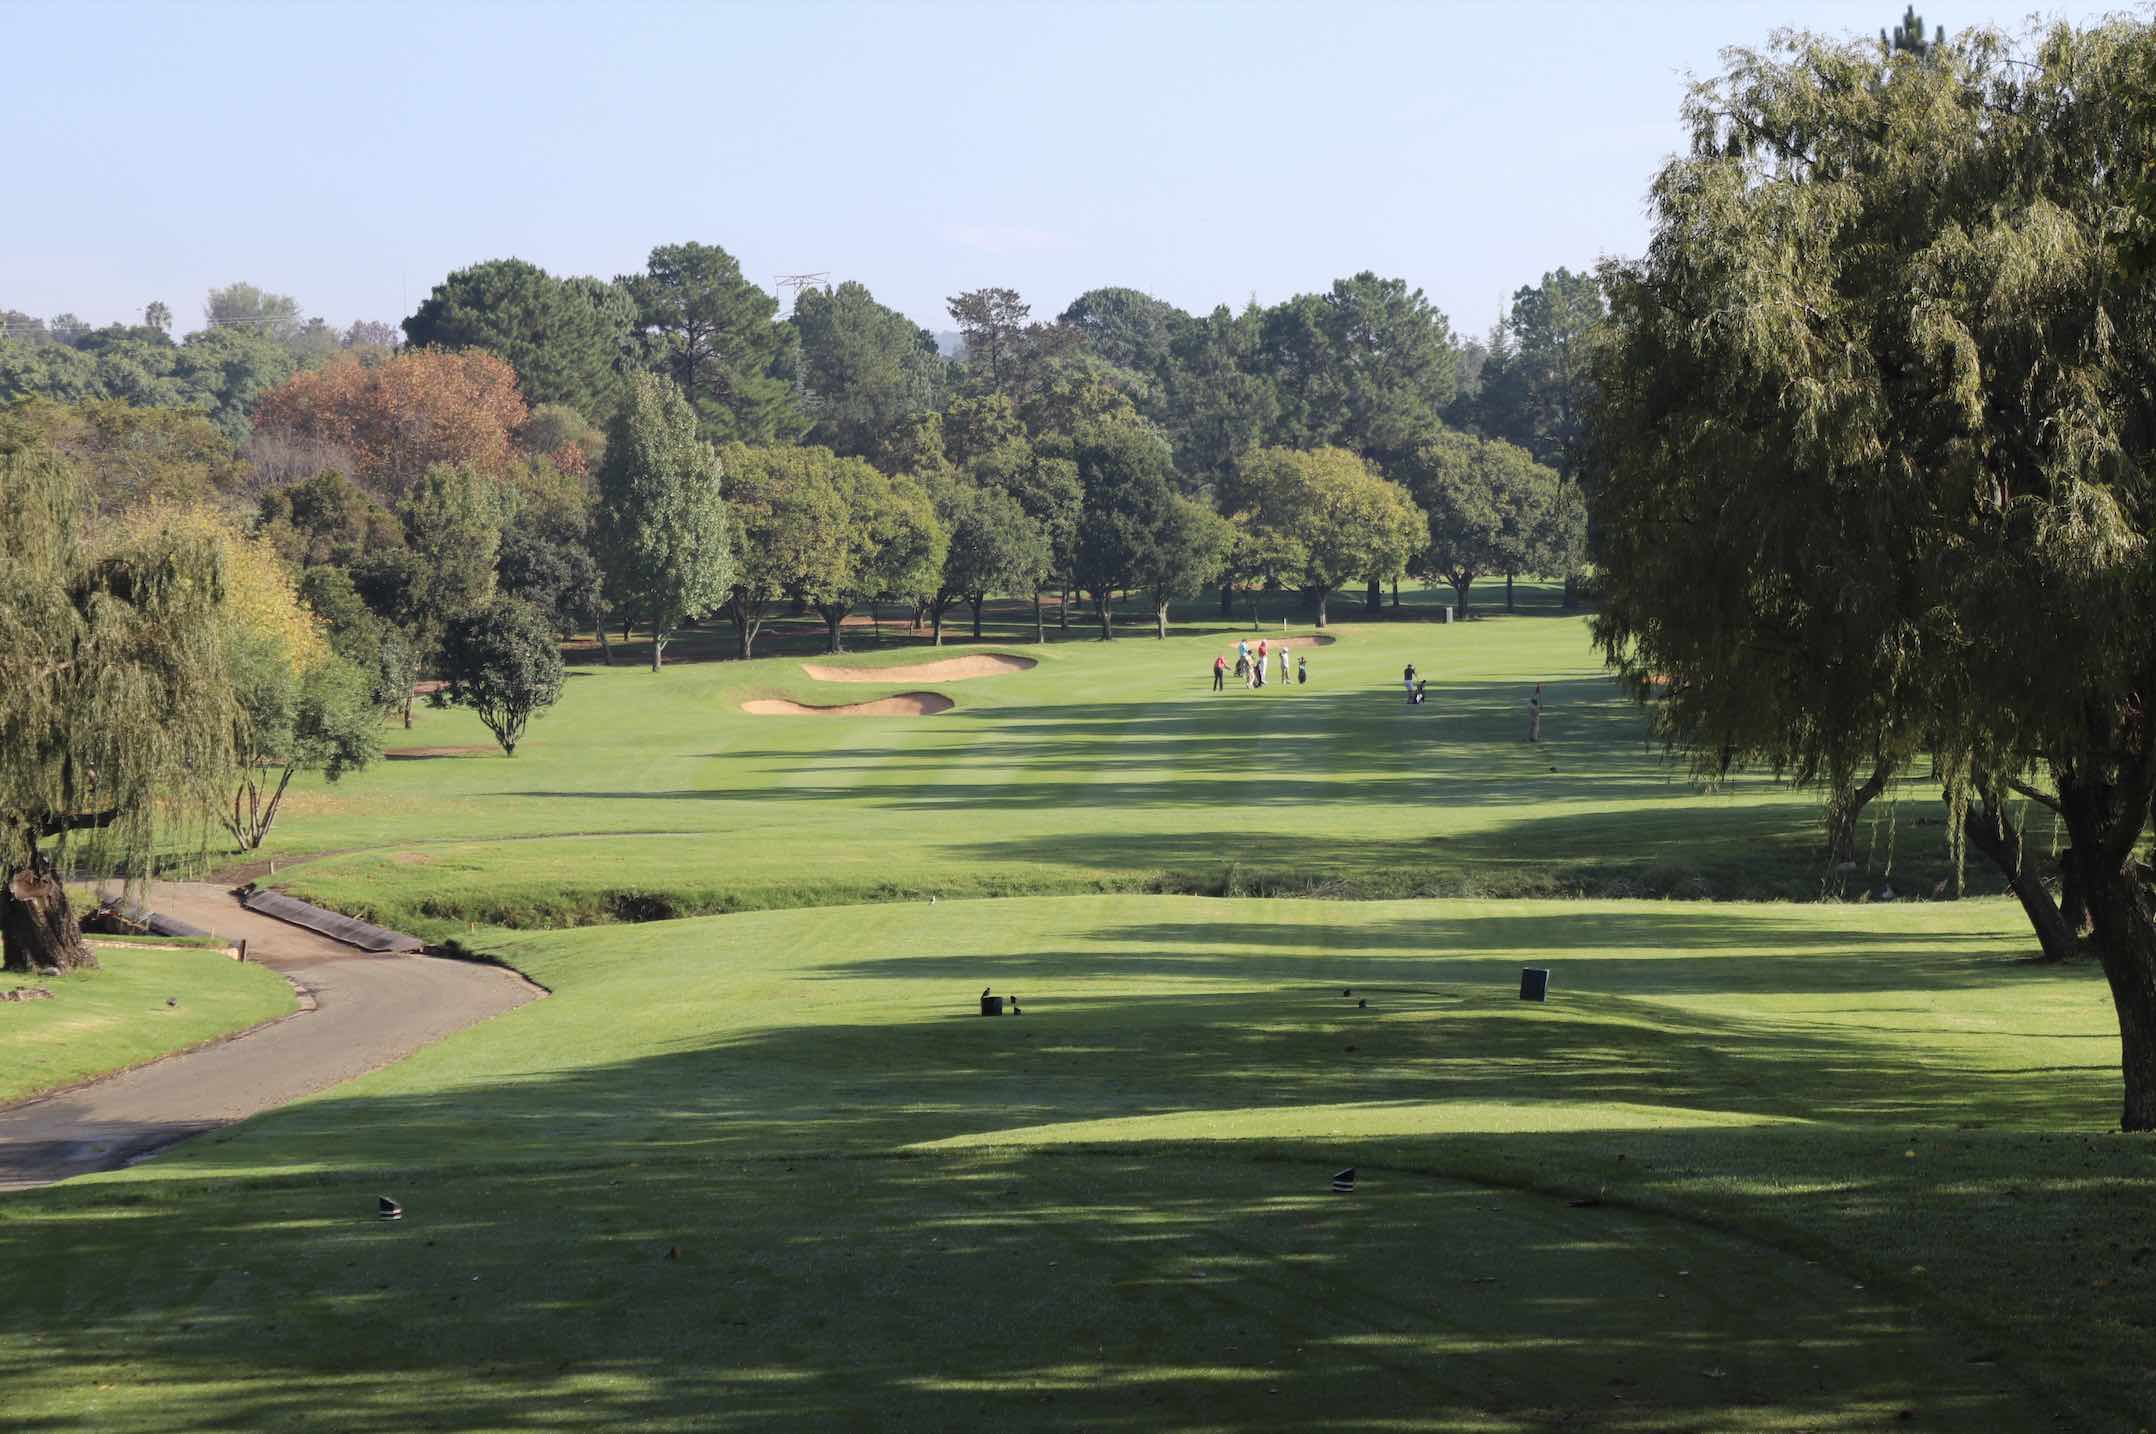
(367, 1011)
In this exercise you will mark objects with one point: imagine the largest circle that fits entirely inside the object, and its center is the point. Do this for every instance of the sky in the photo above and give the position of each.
(353, 155)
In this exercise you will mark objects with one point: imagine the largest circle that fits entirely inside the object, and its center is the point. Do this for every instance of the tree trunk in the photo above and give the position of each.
(1160, 620)
(1572, 591)
(241, 823)
(1991, 833)
(2126, 939)
(1322, 594)
(1374, 599)
(1040, 623)
(744, 634)
(625, 629)
(799, 606)
(1253, 609)
(1100, 604)
(1508, 594)
(1227, 601)
(1459, 594)
(1844, 808)
(2105, 806)
(977, 604)
(38, 930)
(407, 711)
(269, 816)
(606, 653)
(658, 650)
(935, 624)
(834, 620)
(1063, 608)
(1396, 593)
(2073, 894)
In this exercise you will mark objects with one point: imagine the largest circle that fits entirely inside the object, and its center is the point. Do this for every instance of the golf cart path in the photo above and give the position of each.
(358, 1012)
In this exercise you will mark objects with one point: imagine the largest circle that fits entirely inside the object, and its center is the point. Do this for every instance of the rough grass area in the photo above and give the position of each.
(1752, 1168)
(1111, 767)
(116, 1016)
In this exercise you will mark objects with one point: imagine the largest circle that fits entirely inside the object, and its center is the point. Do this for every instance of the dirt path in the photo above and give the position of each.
(366, 1011)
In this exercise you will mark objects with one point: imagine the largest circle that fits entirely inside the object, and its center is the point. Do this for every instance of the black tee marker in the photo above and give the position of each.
(1344, 1182)
(388, 1209)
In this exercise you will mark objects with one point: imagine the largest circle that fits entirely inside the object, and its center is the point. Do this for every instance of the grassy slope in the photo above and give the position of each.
(1110, 767)
(1111, 1212)
(116, 1016)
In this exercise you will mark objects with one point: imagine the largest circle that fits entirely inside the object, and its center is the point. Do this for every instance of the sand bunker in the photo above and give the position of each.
(905, 704)
(950, 669)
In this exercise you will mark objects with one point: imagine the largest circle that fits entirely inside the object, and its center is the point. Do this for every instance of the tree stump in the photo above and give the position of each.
(38, 930)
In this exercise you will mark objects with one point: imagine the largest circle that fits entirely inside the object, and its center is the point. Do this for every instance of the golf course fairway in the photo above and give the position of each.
(1752, 1167)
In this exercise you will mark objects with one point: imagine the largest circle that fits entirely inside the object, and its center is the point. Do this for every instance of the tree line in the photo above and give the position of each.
(543, 456)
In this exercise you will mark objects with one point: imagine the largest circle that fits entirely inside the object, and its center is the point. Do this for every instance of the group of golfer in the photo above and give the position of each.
(1251, 664)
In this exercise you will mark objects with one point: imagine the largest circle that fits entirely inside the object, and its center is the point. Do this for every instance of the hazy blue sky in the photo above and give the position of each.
(353, 154)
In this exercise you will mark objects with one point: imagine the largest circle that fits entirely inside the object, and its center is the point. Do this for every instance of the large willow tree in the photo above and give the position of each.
(1876, 445)
(115, 710)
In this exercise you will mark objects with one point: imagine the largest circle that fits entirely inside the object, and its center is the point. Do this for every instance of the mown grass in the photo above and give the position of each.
(1825, 1166)
(116, 1016)
(769, 1171)
(1112, 767)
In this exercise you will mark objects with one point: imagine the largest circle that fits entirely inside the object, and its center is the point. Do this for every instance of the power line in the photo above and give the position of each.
(797, 282)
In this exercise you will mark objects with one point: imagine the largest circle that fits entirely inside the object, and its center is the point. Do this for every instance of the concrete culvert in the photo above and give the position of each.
(905, 704)
(949, 669)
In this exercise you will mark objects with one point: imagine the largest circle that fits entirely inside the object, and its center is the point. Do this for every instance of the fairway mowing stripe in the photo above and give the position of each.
(1270, 1287)
(869, 748)
(980, 757)
(1098, 768)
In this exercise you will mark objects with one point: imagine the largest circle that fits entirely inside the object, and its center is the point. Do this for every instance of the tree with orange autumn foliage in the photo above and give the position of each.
(402, 415)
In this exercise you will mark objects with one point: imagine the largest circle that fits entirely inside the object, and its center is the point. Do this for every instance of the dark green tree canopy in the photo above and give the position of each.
(1129, 329)
(715, 335)
(1330, 516)
(452, 521)
(1899, 485)
(660, 526)
(559, 580)
(1907, 38)
(993, 546)
(219, 372)
(893, 544)
(1135, 530)
(1539, 391)
(501, 662)
(1220, 403)
(1491, 510)
(327, 519)
(566, 339)
(865, 371)
(993, 324)
(791, 531)
(1366, 366)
